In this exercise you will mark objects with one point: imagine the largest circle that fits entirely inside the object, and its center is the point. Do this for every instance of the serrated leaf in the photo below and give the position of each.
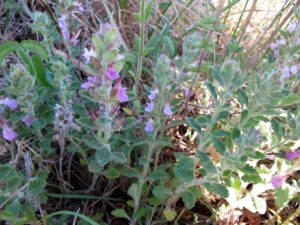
(119, 157)
(220, 147)
(85, 122)
(6, 48)
(184, 169)
(161, 192)
(111, 173)
(158, 174)
(169, 214)
(217, 188)
(207, 164)
(103, 156)
(281, 197)
(242, 97)
(188, 198)
(192, 123)
(212, 90)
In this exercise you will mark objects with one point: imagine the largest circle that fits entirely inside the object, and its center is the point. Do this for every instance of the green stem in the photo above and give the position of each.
(141, 182)
(141, 49)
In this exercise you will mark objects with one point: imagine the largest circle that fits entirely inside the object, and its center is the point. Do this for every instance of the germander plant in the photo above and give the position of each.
(114, 121)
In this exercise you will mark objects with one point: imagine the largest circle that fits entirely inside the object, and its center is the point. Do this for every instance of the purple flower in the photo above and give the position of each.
(294, 69)
(152, 94)
(286, 72)
(277, 181)
(273, 46)
(79, 5)
(149, 126)
(112, 74)
(88, 54)
(186, 91)
(8, 133)
(149, 107)
(11, 103)
(120, 57)
(167, 110)
(291, 27)
(92, 82)
(298, 41)
(121, 92)
(292, 155)
(64, 28)
(74, 41)
(281, 42)
(27, 120)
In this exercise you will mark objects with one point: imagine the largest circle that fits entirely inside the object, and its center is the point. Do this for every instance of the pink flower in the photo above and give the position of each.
(277, 181)
(8, 133)
(149, 126)
(121, 92)
(27, 120)
(292, 155)
(167, 110)
(11, 103)
(291, 27)
(149, 107)
(294, 69)
(112, 74)
(88, 54)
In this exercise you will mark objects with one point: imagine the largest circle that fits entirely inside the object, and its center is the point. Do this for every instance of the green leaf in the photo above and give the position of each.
(184, 169)
(35, 47)
(212, 90)
(7, 48)
(281, 197)
(119, 157)
(40, 70)
(103, 156)
(132, 191)
(85, 122)
(289, 100)
(169, 214)
(207, 164)
(111, 173)
(217, 188)
(202, 120)
(38, 184)
(192, 123)
(170, 45)
(189, 198)
(220, 147)
(161, 192)
(76, 214)
(242, 97)
(158, 174)
(148, 11)
(26, 61)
